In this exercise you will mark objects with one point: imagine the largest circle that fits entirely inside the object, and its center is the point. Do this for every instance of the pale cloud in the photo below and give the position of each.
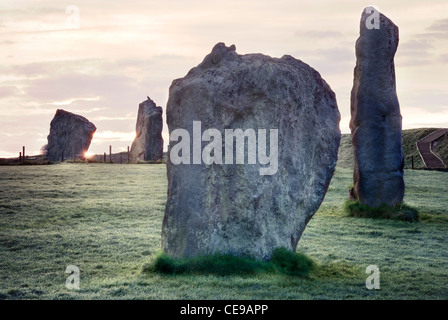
(127, 50)
(416, 46)
(332, 60)
(7, 91)
(431, 103)
(115, 135)
(443, 58)
(7, 42)
(70, 101)
(416, 52)
(439, 25)
(70, 86)
(419, 117)
(318, 34)
(45, 69)
(117, 139)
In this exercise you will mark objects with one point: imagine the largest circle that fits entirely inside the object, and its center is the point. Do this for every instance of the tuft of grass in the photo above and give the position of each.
(401, 212)
(283, 261)
(337, 270)
(162, 263)
(292, 263)
(432, 218)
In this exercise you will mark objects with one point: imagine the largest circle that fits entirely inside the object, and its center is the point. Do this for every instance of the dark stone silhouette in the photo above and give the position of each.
(375, 117)
(233, 208)
(70, 136)
(148, 143)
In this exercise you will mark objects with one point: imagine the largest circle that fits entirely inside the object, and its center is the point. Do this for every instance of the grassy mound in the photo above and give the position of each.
(283, 261)
(402, 212)
(442, 150)
(409, 140)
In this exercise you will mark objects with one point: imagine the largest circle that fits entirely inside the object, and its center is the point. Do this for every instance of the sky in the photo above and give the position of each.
(101, 58)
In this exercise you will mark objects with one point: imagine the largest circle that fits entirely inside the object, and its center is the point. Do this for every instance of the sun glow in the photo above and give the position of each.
(88, 155)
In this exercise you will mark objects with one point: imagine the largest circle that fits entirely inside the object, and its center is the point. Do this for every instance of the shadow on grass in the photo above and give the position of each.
(282, 261)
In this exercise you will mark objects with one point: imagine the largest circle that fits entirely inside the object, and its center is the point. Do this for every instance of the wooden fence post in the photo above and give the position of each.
(104, 157)
(128, 154)
(110, 154)
(23, 154)
(20, 157)
(412, 160)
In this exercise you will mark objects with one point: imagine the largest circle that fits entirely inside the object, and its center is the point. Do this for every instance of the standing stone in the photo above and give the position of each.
(375, 116)
(148, 143)
(234, 208)
(70, 136)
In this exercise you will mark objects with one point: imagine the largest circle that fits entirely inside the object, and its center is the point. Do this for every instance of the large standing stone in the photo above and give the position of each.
(148, 143)
(70, 136)
(375, 116)
(233, 208)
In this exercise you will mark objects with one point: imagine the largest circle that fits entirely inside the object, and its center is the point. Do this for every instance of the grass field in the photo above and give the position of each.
(106, 219)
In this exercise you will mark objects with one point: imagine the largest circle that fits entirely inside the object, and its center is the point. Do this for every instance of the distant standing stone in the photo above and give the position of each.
(222, 206)
(148, 143)
(70, 136)
(375, 116)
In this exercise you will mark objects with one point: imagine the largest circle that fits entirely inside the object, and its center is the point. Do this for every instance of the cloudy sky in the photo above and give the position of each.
(102, 61)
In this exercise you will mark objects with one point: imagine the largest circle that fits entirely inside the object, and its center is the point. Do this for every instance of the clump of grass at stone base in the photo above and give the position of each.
(282, 261)
(401, 212)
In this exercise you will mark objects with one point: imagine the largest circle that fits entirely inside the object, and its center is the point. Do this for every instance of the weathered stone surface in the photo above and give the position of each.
(148, 143)
(375, 117)
(232, 208)
(70, 136)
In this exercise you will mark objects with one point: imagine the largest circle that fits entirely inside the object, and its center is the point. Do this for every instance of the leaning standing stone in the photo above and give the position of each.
(70, 136)
(253, 148)
(375, 115)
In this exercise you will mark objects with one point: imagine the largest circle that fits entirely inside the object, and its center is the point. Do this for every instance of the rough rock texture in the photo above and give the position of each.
(231, 208)
(148, 143)
(70, 136)
(375, 117)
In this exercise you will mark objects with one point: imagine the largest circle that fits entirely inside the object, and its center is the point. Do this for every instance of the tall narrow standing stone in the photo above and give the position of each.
(375, 115)
(148, 143)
